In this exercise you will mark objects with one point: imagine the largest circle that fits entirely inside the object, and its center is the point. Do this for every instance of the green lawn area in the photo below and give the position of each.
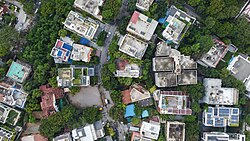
(77, 81)
(77, 73)
(12, 117)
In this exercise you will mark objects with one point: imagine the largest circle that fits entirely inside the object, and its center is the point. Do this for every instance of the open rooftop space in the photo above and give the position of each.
(132, 46)
(142, 26)
(85, 27)
(90, 6)
(175, 131)
(144, 4)
(18, 71)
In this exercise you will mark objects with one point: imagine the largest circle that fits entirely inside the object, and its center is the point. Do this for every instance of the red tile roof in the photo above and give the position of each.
(121, 64)
(134, 18)
(48, 98)
(126, 98)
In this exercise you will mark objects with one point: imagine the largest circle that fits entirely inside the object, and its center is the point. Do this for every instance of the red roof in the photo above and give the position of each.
(48, 98)
(126, 98)
(134, 17)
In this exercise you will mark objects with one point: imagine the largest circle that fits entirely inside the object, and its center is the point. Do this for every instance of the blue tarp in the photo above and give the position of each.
(162, 20)
(130, 111)
(84, 41)
(144, 114)
(68, 47)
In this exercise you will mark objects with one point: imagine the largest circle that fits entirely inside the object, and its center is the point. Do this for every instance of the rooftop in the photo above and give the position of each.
(8, 115)
(132, 46)
(18, 71)
(81, 53)
(5, 135)
(245, 11)
(126, 69)
(49, 96)
(142, 26)
(216, 95)
(221, 117)
(173, 102)
(74, 76)
(175, 131)
(61, 51)
(215, 54)
(82, 26)
(221, 136)
(177, 23)
(12, 94)
(144, 4)
(134, 93)
(63, 137)
(86, 133)
(239, 67)
(90, 6)
(34, 137)
(171, 68)
(150, 129)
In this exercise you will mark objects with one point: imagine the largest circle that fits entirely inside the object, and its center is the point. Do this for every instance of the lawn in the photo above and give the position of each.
(12, 117)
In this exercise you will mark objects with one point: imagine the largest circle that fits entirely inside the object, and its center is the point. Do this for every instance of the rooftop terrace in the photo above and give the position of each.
(132, 46)
(18, 71)
(144, 4)
(239, 67)
(135, 93)
(221, 136)
(221, 117)
(177, 23)
(82, 26)
(126, 69)
(215, 54)
(171, 68)
(90, 6)
(173, 102)
(215, 94)
(81, 53)
(175, 131)
(142, 26)
(61, 51)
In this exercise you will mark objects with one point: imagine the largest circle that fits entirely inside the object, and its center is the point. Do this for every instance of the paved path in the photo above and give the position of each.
(87, 97)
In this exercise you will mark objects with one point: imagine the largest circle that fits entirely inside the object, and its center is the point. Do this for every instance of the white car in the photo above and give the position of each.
(109, 33)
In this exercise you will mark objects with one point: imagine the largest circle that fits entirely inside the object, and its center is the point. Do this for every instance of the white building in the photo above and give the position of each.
(81, 53)
(177, 23)
(217, 95)
(240, 69)
(126, 69)
(132, 46)
(84, 134)
(175, 131)
(144, 5)
(90, 6)
(150, 130)
(82, 26)
(220, 136)
(142, 26)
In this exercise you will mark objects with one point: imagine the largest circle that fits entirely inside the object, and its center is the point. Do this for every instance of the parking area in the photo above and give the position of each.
(87, 97)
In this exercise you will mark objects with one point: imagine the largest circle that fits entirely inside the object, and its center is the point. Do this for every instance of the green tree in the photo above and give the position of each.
(111, 9)
(62, 33)
(135, 120)
(8, 38)
(40, 74)
(75, 37)
(53, 82)
(215, 6)
(101, 38)
(131, 6)
(112, 67)
(92, 114)
(125, 81)
(74, 90)
(210, 22)
(193, 2)
(206, 43)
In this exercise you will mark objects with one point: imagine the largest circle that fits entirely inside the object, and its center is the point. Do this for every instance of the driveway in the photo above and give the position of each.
(87, 97)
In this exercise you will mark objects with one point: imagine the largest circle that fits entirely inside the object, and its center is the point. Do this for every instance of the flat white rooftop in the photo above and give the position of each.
(142, 26)
(82, 26)
(144, 4)
(132, 46)
(90, 6)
